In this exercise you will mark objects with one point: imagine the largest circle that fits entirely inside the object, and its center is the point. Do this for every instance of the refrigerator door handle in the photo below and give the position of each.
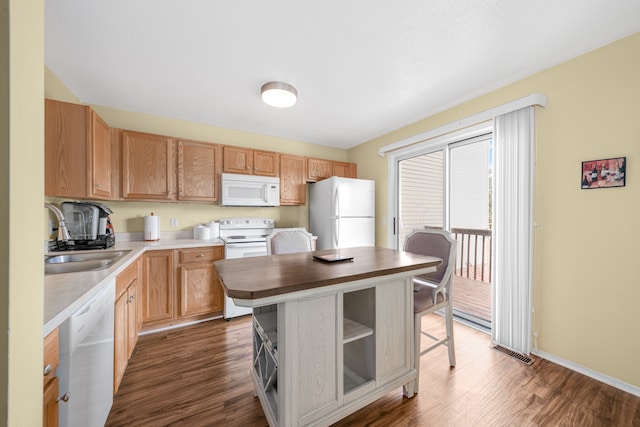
(336, 202)
(336, 232)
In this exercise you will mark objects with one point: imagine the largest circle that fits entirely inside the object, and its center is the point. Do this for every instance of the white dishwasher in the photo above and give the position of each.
(86, 362)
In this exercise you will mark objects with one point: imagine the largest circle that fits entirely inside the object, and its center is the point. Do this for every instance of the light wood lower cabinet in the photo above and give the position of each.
(189, 291)
(200, 290)
(51, 384)
(126, 319)
(158, 287)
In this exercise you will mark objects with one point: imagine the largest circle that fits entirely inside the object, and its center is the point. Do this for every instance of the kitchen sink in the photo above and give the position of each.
(76, 262)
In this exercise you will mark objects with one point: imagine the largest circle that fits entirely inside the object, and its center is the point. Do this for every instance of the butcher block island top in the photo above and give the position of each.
(268, 276)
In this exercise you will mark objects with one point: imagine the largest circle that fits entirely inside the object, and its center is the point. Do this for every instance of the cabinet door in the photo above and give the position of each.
(345, 170)
(120, 352)
(198, 171)
(318, 169)
(100, 182)
(147, 167)
(266, 163)
(50, 404)
(158, 286)
(394, 328)
(200, 289)
(132, 318)
(293, 188)
(66, 136)
(316, 368)
(237, 160)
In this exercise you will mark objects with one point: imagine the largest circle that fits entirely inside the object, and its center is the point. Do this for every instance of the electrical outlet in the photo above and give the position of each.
(173, 222)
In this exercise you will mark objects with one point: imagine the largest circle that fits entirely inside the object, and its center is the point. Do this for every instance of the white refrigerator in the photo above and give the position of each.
(342, 212)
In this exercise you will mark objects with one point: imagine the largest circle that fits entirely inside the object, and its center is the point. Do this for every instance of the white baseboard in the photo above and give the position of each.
(621, 385)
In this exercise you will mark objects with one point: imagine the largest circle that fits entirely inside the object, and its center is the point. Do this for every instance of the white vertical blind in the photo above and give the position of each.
(513, 225)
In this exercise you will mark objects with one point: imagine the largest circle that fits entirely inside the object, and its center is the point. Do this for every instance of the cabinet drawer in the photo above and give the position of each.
(125, 278)
(51, 355)
(201, 254)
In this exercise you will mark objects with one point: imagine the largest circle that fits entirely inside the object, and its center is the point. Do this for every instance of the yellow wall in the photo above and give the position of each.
(128, 216)
(21, 189)
(586, 291)
(585, 287)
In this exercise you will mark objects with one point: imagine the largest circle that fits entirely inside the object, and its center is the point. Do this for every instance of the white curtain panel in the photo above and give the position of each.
(513, 229)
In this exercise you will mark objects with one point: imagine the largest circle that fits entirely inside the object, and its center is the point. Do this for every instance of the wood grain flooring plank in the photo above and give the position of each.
(199, 376)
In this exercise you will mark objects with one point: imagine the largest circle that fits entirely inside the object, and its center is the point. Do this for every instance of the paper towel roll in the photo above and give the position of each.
(151, 228)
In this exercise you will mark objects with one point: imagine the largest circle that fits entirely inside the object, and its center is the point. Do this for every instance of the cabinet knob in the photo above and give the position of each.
(65, 397)
(97, 185)
(201, 256)
(47, 369)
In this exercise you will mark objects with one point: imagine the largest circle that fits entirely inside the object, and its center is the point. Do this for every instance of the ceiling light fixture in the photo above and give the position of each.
(279, 94)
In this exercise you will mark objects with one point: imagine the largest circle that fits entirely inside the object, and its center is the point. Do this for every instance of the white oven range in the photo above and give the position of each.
(243, 237)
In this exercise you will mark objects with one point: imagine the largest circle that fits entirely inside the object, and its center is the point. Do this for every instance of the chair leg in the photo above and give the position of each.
(450, 341)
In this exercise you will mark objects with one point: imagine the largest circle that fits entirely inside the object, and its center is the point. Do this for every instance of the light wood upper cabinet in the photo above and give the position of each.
(198, 171)
(293, 189)
(318, 169)
(237, 160)
(77, 152)
(100, 181)
(345, 170)
(266, 163)
(250, 162)
(147, 167)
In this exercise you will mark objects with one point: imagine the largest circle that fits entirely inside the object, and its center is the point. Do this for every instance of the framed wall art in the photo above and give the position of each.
(604, 173)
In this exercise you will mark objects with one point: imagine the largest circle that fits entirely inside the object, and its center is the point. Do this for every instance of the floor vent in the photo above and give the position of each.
(518, 356)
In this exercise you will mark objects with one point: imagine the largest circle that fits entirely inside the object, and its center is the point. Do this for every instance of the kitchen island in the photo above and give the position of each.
(328, 337)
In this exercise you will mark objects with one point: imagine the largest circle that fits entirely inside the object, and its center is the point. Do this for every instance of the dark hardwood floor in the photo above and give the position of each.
(198, 376)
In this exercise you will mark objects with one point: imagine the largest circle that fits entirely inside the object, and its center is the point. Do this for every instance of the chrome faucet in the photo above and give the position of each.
(63, 233)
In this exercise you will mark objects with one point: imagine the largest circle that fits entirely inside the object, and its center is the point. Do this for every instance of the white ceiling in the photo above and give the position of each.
(362, 68)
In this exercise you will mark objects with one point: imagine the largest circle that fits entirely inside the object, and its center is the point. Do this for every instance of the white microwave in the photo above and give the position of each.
(249, 190)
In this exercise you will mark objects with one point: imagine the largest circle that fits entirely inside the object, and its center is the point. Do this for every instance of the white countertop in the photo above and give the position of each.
(65, 293)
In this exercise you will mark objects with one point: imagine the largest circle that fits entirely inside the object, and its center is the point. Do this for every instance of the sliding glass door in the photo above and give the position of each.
(449, 187)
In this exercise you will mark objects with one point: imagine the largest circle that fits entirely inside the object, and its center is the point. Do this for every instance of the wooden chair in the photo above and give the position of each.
(288, 241)
(432, 291)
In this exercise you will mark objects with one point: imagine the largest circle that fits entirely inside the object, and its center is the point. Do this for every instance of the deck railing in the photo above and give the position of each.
(474, 259)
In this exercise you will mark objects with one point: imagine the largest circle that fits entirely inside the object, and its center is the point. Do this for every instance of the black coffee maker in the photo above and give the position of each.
(88, 224)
